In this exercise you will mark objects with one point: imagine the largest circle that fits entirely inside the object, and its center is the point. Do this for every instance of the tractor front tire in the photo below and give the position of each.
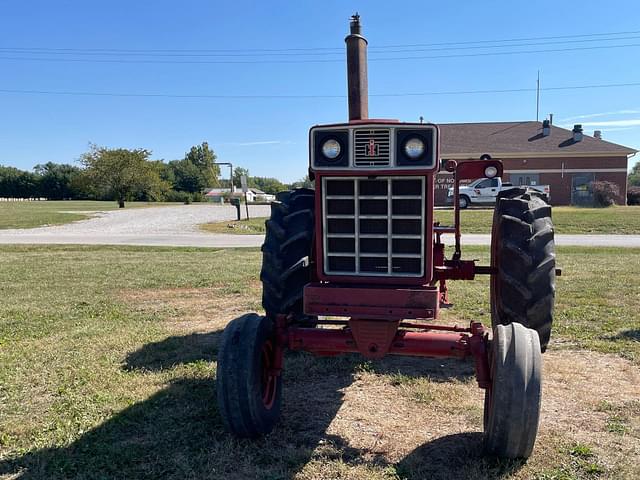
(512, 404)
(286, 252)
(249, 391)
(523, 253)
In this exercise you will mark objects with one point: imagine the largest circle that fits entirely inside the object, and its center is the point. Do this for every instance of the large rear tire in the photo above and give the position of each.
(285, 253)
(523, 252)
(512, 404)
(249, 393)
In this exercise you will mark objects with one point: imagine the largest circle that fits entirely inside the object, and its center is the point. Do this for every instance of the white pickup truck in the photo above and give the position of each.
(485, 190)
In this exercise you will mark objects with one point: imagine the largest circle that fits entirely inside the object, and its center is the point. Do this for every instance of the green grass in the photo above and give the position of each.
(570, 220)
(597, 299)
(36, 214)
(252, 226)
(567, 220)
(102, 377)
(582, 463)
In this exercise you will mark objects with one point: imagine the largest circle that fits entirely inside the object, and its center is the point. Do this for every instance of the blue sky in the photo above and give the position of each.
(269, 135)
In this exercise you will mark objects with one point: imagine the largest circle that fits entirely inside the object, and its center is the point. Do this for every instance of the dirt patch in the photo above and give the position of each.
(414, 418)
(191, 309)
(421, 425)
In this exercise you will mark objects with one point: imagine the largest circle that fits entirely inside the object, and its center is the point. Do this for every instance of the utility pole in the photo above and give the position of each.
(538, 97)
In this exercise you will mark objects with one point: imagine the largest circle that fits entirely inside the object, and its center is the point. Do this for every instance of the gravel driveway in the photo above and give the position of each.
(178, 226)
(143, 226)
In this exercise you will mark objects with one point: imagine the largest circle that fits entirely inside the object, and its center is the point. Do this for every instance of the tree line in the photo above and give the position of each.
(122, 175)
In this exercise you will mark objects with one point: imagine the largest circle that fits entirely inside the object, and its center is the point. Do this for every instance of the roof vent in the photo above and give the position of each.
(577, 132)
(597, 134)
(546, 128)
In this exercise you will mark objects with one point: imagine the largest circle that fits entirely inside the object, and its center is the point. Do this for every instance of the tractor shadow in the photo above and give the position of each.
(631, 334)
(455, 456)
(175, 350)
(178, 433)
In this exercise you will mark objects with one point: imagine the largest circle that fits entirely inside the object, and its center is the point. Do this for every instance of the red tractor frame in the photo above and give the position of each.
(358, 266)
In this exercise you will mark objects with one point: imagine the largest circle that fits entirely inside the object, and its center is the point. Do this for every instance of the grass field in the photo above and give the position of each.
(107, 368)
(570, 220)
(616, 220)
(252, 226)
(36, 214)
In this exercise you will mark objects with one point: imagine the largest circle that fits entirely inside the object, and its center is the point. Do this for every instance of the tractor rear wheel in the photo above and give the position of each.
(523, 252)
(512, 404)
(249, 391)
(286, 252)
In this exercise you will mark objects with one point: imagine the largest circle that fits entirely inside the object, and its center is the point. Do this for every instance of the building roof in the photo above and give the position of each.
(500, 139)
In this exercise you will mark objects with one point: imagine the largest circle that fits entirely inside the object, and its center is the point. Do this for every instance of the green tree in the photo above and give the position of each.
(15, 183)
(267, 184)
(56, 181)
(165, 171)
(238, 172)
(304, 182)
(634, 176)
(123, 174)
(188, 178)
(204, 159)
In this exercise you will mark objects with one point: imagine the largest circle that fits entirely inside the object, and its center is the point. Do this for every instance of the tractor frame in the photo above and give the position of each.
(386, 301)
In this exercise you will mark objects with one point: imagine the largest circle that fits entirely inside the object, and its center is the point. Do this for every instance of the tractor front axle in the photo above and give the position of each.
(377, 338)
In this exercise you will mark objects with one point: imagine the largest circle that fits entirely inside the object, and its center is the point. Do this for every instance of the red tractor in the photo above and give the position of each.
(358, 266)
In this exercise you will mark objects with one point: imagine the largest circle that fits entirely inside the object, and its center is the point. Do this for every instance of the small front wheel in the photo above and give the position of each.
(512, 404)
(463, 202)
(249, 387)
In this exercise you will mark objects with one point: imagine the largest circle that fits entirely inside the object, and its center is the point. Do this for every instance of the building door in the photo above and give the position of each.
(581, 192)
(524, 179)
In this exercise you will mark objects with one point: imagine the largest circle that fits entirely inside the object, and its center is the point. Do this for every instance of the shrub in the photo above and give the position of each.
(178, 196)
(605, 193)
(633, 196)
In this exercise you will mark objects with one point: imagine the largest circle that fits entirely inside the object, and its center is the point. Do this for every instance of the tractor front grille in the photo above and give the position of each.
(374, 226)
(372, 148)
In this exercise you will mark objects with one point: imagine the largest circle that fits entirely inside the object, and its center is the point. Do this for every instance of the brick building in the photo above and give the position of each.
(538, 153)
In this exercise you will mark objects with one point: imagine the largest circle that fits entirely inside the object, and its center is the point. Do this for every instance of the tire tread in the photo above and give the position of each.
(289, 238)
(523, 239)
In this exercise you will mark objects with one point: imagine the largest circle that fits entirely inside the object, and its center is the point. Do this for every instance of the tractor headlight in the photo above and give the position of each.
(490, 171)
(331, 149)
(414, 148)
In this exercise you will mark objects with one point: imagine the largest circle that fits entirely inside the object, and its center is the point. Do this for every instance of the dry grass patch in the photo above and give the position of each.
(193, 309)
(407, 418)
